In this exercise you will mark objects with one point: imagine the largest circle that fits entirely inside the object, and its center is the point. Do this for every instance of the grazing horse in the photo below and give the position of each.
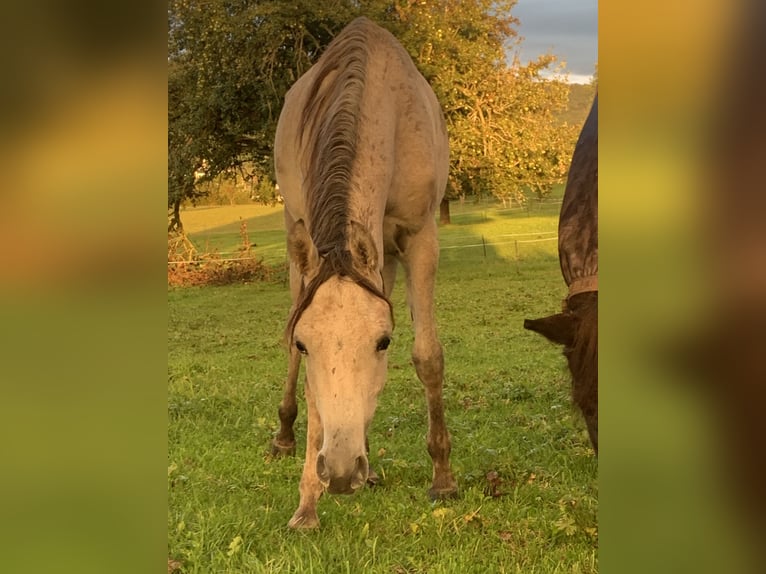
(576, 327)
(361, 158)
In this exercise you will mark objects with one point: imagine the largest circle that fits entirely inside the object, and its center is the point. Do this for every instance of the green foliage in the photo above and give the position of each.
(503, 135)
(579, 104)
(238, 188)
(230, 64)
(508, 408)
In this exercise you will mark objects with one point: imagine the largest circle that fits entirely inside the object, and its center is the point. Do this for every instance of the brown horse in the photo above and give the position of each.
(361, 158)
(576, 327)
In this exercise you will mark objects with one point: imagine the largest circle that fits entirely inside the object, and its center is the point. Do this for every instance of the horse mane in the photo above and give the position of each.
(330, 125)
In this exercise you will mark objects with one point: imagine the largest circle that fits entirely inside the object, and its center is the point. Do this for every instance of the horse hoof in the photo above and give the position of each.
(372, 478)
(281, 449)
(304, 520)
(442, 493)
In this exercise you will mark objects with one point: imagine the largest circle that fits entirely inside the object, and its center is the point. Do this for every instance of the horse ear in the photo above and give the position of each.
(558, 328)
(301, 249)
(362, 247)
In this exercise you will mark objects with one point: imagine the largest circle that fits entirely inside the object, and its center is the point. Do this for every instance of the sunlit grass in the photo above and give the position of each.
(478, 230)
(507, 406)
(226, 217)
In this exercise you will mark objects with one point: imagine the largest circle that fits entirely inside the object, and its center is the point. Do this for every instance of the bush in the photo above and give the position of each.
(188, 267)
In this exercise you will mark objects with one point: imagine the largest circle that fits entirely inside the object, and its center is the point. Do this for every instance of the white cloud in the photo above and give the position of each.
(570, 78)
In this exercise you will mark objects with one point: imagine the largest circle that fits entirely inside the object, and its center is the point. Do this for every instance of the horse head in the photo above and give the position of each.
(342, 325)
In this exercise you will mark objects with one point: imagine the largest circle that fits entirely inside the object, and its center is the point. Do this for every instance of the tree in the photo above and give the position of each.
(457, 45)
(532, 149)
(504, 139)
(185, 151)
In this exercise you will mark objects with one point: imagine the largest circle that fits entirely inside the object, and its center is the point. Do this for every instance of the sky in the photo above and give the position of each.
(566, 28)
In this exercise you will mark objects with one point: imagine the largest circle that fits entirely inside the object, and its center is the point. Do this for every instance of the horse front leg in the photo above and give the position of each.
(310, 488)
(421, 261)
(284, 443)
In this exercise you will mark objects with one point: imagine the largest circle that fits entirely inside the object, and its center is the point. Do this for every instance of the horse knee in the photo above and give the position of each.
(429, 365)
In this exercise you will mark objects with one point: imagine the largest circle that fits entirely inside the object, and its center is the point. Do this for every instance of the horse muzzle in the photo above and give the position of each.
(342, 481)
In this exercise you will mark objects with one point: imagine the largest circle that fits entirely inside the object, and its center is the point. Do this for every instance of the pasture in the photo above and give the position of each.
(525, 469)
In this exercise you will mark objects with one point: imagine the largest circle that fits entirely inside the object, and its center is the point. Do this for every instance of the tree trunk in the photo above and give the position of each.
(444, 217)
(175, 225)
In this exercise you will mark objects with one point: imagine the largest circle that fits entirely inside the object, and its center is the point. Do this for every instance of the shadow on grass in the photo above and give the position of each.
(265, 233)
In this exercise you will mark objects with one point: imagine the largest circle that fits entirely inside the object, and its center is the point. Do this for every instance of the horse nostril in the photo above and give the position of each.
(361, 470)
(322, 473)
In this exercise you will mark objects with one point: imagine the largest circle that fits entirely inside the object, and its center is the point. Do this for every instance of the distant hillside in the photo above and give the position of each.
(580, 100)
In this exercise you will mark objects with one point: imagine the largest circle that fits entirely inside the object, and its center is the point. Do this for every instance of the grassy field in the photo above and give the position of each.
(217, 229)
(508, 410)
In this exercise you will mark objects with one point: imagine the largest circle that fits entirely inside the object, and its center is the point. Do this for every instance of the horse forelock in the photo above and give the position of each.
(338, 262)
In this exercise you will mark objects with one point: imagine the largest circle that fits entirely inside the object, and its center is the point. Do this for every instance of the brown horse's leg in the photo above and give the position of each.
(421, 261)
(310, 488)
(284, 442)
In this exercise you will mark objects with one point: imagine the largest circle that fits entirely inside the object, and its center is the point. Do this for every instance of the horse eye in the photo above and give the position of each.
(301, 348)
(383, 343)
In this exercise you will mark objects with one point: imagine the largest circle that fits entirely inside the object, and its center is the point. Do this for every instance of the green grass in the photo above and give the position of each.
(508, 411)
(218, 229)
